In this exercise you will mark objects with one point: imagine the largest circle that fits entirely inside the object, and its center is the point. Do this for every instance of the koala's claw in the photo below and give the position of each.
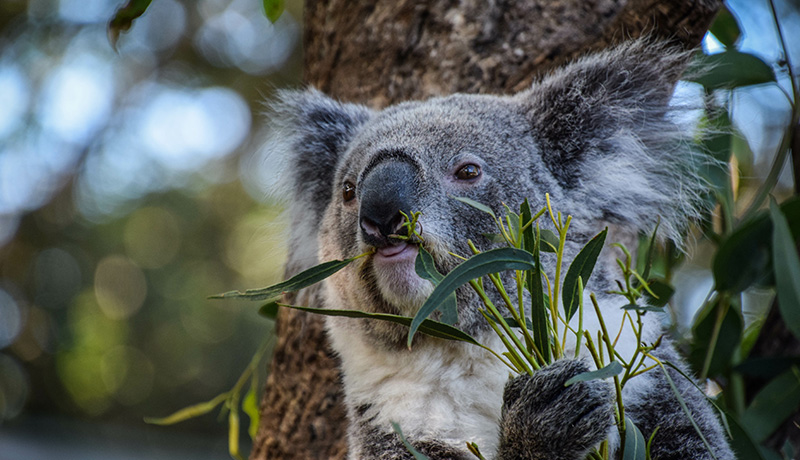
(543, 419)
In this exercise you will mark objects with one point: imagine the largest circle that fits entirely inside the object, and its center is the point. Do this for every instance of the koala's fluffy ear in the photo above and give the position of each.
(310, 131)
(605, 132)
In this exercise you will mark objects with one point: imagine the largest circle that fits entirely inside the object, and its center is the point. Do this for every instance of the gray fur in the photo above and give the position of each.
(597, 136)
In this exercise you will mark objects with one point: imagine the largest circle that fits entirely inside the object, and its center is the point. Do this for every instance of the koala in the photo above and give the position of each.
(600, 137)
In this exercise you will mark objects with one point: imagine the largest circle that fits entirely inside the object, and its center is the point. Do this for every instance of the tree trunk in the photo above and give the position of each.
(384, 52)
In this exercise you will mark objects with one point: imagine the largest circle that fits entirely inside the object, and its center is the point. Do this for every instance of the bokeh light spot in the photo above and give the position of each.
(152, 237)
(120, 287)
(76, 99)
(13, 387)
(15, 94)
(127, 374)
(10, 319)
(256, 246)
(57, 278)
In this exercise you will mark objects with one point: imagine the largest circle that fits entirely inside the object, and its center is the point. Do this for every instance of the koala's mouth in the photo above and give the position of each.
(398, 251)
(396, 278)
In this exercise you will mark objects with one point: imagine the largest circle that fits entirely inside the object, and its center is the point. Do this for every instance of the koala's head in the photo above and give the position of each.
(595, 135)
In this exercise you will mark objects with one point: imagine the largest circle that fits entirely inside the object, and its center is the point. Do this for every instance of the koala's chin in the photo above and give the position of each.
(397, 280)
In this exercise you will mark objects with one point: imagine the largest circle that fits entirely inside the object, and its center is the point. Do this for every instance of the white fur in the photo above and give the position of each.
(458, 402)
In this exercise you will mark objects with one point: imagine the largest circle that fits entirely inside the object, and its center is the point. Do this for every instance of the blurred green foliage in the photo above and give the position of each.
(105, 263)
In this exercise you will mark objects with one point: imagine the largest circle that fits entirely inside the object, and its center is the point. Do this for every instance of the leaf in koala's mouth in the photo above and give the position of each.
(303, 279)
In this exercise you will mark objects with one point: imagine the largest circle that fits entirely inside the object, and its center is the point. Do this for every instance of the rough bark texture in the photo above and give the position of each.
(383, 52)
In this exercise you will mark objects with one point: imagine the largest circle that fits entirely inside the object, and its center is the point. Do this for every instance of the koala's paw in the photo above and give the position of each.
(543, 419)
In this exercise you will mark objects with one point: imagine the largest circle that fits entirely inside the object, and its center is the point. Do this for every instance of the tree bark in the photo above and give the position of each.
(378, 53)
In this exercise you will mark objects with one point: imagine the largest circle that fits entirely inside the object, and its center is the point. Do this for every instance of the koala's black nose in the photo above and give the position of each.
(388, 188)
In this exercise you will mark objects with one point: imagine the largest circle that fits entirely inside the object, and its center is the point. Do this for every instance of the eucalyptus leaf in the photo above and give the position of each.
(540, 316)
(186, 413)
(727, 340)
(426, 269)
(648, 263)
(233, 434)
(427, 327)
(549, 241)
(767, 367)
(477, 266)
(729, 69)
(582, 267)
(642, 308)
(742, 442)
(661, 289)
(476, 205)
(725, 27)
(613, 368)
(269, 310)
(772, 405)
(635, 445)
(124, 17)
(273, 9)
(250, 407)
(414, 452)
(751, 242)
(495, 238)
(304, 279)
(786, 265)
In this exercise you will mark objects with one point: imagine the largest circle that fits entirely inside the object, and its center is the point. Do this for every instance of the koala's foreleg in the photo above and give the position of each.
(654, 405)
(544, 420)
(368, 442)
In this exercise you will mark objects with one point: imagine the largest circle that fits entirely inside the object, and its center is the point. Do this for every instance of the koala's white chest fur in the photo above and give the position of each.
(446, 391)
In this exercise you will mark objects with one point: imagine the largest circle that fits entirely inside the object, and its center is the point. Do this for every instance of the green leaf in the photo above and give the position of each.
(250, 407)
(411, 449)
(635, 307)
(651, 249)
(741, 441)
(724, 318)
(662, 289)
(717, 144)
(476, 205)
(767, 367)
(233, 434)
(582, 267)
(550, 240)
(540, 316)
(613, 368)
(426, 269)
(772, 405)
(123, 19)
(186, 413)
(725, 28)
(269, 310)
(729, 69)
(274, 9)
(304, 279)
(495, 238)
(427, 327)
(635, 445)
(751, 242)
(493, 261)
(786, 265)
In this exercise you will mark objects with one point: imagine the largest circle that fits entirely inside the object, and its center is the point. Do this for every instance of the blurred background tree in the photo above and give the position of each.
(132, 186)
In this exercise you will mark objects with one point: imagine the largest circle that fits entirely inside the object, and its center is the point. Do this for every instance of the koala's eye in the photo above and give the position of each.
(468, 172)
(348, 191)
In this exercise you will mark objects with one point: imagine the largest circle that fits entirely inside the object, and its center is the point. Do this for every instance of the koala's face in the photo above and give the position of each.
(594, 135)
(417, 157)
